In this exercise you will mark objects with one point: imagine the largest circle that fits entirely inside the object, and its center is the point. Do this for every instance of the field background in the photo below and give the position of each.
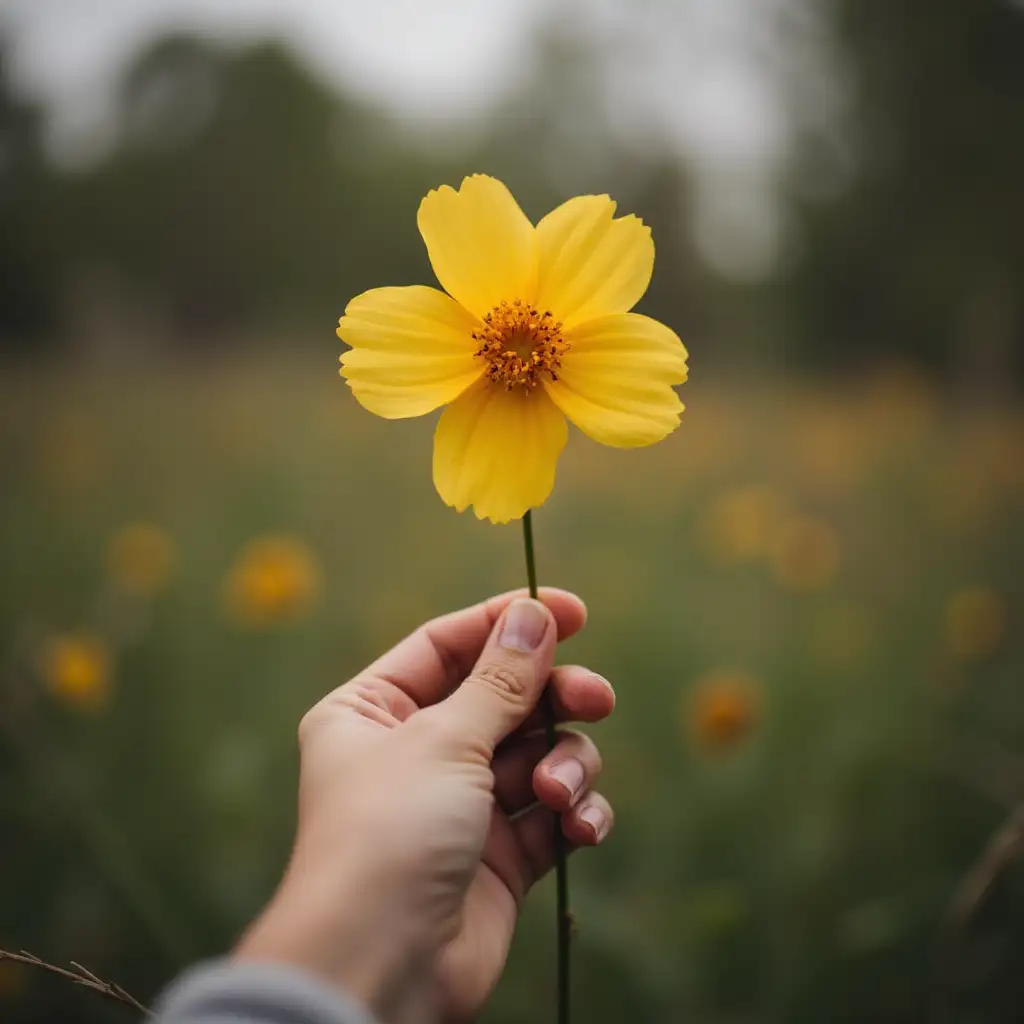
(809, 598)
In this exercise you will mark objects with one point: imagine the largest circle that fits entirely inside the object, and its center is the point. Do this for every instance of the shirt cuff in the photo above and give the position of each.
(223, 992)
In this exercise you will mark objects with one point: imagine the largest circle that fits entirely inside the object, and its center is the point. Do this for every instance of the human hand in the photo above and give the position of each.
(425, 809)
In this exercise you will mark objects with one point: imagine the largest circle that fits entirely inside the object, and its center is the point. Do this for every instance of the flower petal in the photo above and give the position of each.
(616, 380)
(590, 264)
(497, 450)
(412, 350)
(481, 245)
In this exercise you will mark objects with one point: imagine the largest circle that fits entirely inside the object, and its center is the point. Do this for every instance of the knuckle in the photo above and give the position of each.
(359, 699)
(502, 681)
(355, 698)
(309, 723)
(580, 746)
(353, 694)
(591, 755)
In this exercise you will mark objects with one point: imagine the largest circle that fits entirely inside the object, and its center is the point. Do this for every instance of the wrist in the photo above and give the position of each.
(351, 934)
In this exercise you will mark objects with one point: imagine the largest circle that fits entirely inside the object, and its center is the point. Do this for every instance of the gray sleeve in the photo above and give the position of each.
(221, 992)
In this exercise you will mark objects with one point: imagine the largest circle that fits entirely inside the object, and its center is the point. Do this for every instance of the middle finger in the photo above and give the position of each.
(577, 695)
(525, 771)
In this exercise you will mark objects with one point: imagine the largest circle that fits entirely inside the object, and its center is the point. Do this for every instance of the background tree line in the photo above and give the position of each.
(243, 198)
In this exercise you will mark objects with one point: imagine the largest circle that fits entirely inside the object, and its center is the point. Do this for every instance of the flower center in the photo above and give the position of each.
(520, 345)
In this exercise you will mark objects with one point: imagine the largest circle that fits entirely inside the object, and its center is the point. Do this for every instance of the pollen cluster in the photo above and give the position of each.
(520, 344)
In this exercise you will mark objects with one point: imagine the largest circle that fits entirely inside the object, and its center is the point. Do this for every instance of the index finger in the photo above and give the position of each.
(429, 663)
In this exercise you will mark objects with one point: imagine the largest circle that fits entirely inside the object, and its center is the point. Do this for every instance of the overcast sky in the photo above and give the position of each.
(418, 55)
(683, 69)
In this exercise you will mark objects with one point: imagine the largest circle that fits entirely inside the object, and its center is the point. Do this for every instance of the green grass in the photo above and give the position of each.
(797, 875)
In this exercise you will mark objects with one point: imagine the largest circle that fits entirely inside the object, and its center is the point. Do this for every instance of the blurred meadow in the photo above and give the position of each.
(810, 598)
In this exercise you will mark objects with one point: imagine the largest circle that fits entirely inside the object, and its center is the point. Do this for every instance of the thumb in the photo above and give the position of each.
(508, 678)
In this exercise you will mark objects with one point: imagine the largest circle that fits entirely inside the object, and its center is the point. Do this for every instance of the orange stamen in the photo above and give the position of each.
(520, 344)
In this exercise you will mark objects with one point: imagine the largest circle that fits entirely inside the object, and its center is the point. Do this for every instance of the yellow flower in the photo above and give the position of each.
(140, 557)
(975, 622)
(275, 579)
(722, 709)
(77, 668)
(535, 327)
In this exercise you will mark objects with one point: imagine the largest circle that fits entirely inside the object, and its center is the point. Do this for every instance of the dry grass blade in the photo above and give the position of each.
(1004, 847)
(81, 976)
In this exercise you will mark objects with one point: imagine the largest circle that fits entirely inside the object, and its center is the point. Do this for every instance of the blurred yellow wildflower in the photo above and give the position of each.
(805, 553)
(276, 578)
(140, 558)
(975, 622)
(535, 327)
(740, 524)
(77, 669)
(721, 709)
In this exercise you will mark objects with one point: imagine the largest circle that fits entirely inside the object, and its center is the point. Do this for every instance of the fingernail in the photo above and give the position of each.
(611, 689)
(569, 773)
(596, 819)
(526, 622)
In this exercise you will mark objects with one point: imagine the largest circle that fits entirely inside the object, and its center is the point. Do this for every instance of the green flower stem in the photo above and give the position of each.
(563, 915)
